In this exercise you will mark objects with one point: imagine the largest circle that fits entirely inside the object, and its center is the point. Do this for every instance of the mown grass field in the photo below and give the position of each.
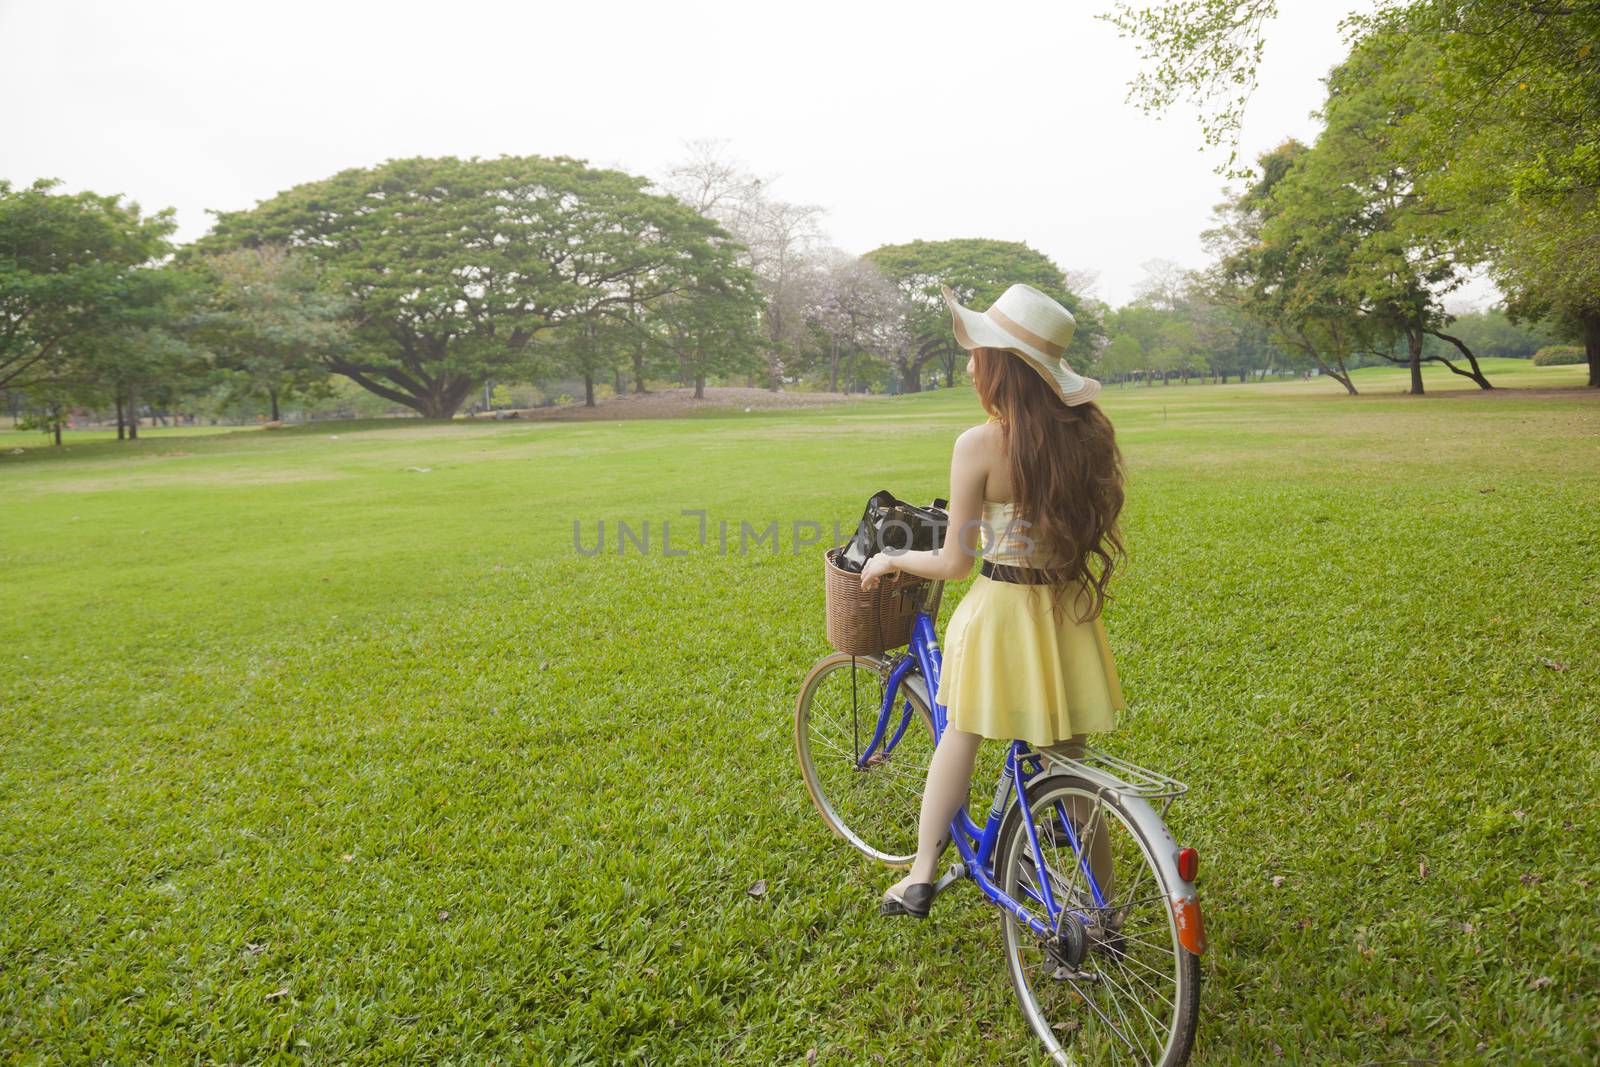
(312, 756)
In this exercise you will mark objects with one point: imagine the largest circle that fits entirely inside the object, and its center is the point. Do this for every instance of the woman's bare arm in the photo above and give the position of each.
(969, 473)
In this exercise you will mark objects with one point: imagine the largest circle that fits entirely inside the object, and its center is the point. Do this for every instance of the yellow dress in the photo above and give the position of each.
(1009, 670)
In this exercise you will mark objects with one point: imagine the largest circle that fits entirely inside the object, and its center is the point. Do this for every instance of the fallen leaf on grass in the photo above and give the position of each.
(277, 994)
(759, 889)
(1422, 869)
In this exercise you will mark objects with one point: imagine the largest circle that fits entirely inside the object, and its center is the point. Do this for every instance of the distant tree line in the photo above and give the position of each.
(430, 282)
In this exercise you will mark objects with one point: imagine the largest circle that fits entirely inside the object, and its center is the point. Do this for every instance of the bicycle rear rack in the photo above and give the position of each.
(1118, 776)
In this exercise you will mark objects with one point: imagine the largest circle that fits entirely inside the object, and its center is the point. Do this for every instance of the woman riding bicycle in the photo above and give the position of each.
(1038, 488)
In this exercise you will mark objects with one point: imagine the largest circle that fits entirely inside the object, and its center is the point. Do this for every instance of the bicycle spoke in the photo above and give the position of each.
(1150, 1020)
(1103, 1016)
(1144, 981)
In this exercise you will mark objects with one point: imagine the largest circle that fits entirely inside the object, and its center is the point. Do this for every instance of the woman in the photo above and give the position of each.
(1038, 488)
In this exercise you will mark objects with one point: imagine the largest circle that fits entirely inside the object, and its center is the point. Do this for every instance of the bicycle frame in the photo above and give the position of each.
(976, 844)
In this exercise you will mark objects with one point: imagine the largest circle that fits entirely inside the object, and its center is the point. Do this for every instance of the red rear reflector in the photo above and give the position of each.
(1191, 934)
(1188, 864)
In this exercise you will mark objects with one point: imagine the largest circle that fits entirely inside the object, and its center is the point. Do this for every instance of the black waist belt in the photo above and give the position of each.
(1001, 572)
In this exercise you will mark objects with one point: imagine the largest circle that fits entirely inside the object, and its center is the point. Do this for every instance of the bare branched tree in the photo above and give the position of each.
(779, 239)
(861, 313)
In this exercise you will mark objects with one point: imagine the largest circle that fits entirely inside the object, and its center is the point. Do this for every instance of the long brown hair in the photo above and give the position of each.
(1066, 474)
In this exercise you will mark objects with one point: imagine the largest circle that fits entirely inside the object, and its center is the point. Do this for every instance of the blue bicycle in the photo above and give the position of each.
(1099, 917)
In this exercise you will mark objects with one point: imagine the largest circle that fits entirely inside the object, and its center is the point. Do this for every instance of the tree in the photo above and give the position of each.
(1501, 144)
(70, 266)
(776, 240)
(140, 352)
(1285, 277)
(714, 330)
(858, 310)
(979, 270)
(1163, 286)
(454, 266)
(1232, 341)
(1356, 188)
(1506, 148)
(586, 347)
(1203, 51)
(1122, 357)
(272, 324)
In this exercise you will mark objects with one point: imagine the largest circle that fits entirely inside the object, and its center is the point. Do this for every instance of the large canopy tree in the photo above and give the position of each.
(979, 270)
(455, 265)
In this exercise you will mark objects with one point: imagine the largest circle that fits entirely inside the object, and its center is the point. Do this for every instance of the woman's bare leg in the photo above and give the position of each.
(949, 782)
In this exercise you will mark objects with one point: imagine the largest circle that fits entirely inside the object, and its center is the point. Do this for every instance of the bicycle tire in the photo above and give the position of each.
(874, 809)
(1095, 1024)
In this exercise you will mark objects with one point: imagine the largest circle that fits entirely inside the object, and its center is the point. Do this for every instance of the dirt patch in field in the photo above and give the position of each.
(670, 403)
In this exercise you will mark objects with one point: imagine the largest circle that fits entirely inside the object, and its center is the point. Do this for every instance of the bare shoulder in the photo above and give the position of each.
(976, 453)
(982, 440)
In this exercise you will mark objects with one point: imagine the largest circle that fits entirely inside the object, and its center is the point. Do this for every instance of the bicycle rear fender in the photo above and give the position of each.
(1181, 895)
(919, 686)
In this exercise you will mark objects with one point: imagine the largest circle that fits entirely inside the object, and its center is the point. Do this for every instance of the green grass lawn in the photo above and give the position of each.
(309, 754)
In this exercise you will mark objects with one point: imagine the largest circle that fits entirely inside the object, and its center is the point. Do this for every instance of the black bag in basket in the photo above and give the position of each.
(891, 523)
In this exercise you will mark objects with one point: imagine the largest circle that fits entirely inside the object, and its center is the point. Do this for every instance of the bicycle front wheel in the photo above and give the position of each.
(1115, 986)
(872, 804)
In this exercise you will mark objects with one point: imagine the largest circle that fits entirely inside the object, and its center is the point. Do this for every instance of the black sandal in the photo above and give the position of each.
(914, 901)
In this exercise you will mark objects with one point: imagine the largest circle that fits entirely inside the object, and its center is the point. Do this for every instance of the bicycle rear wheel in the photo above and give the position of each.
(1116, 986)
(873, 806)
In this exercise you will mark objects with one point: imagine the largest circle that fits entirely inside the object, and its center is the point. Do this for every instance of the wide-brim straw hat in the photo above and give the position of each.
(1032, 325)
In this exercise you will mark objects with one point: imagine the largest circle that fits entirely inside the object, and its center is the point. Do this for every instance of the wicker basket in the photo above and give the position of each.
(864, 622)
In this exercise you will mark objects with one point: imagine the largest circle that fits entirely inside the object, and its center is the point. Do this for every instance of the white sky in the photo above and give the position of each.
(902, 121)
